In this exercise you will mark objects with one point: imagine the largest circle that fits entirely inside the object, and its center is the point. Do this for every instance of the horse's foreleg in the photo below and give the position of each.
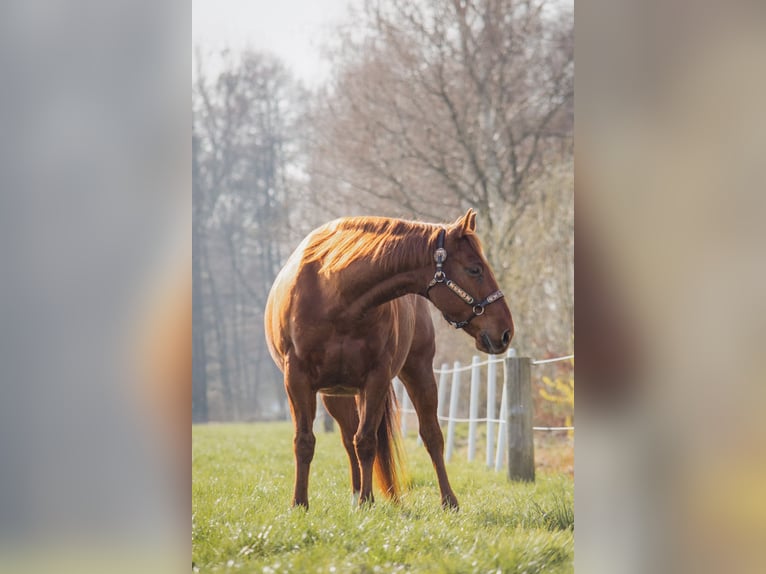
(371, 409)
(421, 386)
(343, 410)
(303, 406)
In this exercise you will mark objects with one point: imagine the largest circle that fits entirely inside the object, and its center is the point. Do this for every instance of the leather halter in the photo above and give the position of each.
(440, 255)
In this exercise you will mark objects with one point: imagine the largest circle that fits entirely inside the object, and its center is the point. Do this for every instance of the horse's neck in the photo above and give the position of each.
(366, 284)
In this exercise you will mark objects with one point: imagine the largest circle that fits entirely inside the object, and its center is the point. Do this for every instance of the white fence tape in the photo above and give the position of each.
(554, 360)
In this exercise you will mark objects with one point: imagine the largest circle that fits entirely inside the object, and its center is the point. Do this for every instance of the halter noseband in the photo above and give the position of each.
(440, 255)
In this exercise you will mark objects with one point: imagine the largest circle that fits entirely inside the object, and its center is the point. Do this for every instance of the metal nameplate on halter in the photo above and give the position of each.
(459, 292)
(440, 255)
(494, 297)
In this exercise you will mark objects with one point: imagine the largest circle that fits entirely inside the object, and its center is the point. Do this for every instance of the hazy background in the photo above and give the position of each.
(95, 219)
(670, 282)
(294, 30)
(95, 215)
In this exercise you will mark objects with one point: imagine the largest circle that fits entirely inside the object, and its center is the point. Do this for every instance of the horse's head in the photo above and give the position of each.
(464, 288)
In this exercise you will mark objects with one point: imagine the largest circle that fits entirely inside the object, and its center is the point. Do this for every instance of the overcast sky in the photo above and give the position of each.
(292, 29)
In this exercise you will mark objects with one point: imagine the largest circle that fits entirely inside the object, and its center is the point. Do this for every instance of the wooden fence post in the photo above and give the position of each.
(502, 427)
(521, 448)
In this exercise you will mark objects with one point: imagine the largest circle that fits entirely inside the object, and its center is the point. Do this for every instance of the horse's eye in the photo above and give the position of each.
(473, 271)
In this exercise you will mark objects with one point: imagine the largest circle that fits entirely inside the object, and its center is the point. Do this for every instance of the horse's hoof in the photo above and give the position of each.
(450, 503)
(366, 502)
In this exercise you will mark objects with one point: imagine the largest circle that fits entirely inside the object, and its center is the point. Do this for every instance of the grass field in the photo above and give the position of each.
(242, 520)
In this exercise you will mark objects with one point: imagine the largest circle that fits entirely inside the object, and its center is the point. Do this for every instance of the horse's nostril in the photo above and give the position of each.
(507, 337)
(485, 340)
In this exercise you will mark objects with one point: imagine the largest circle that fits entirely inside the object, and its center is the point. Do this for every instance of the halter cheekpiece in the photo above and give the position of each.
(440, 255)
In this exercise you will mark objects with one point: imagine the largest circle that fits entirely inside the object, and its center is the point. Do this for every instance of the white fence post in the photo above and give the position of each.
(453, 399)
(491, 392)
(501, 434)
(406, 406)
(473, 408)
(441, 398)
(398, 392)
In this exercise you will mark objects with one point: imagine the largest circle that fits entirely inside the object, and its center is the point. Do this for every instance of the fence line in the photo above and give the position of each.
(445, 369)
(542, 362)
(497, 424)
(457, 419)
(555, 359)
(489, 361)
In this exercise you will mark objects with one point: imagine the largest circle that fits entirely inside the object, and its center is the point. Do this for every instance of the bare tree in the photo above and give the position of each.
(438, 106)
(247, 123)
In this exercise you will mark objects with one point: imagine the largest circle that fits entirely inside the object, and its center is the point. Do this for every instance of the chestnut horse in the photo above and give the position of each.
(348, 313)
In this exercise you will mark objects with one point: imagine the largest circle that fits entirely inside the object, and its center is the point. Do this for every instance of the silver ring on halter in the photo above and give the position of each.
(480, 310)
(439, 276)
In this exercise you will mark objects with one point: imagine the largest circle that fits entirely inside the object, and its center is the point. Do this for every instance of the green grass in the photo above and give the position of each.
(242, 520)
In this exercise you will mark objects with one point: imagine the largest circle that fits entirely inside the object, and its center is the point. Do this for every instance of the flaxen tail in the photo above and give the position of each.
(389, 460)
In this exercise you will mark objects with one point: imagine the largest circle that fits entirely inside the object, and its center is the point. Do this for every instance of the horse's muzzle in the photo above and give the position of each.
(495, 347)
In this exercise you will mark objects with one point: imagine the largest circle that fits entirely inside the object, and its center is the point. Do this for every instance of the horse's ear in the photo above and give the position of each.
(467, 222)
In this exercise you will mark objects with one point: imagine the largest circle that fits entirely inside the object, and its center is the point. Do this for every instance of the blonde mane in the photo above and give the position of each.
(387, 242)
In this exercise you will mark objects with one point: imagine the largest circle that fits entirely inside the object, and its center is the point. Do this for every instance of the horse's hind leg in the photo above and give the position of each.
(372, 405)
(418, 377)
(343, 410)
(303, 405)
